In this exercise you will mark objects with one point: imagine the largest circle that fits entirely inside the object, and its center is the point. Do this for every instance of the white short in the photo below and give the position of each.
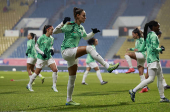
(156, 66)
(92, 65)
(31, 61)
(140, 59)
(42, 63)
(69, 55)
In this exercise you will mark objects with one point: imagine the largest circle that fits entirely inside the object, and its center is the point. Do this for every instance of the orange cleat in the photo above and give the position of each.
(144, 90)
(130, 70)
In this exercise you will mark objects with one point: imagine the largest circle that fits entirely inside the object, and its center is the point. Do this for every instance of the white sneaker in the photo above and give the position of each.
(29, 87)
(54, 89)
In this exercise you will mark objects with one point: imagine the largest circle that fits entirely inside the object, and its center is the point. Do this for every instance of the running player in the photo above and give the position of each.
(166, 86)
(70, 51)
(91, 63)
(45, 49)
(32, 55)
(138, 56)
(154, 67)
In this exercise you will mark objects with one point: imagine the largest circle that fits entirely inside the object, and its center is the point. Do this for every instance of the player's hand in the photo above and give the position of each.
(127, 49)
(135, 49)
(26, 54)
(44, 56)
(66, 19)
(52, 52)
(95, 30)
(163, 48)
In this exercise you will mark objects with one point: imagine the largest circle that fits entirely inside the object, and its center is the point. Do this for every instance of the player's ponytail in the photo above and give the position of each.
(91, 41)
(145, 31)
(77, 11)
(34, 37)
(46, 27)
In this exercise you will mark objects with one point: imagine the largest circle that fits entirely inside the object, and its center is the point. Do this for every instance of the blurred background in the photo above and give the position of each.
(115, 18)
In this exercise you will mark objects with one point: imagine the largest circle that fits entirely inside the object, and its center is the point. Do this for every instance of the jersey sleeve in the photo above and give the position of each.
(131, 49)
(39, 40)
(66, 28)
(84, 32)
(154, 44)
(28, 47)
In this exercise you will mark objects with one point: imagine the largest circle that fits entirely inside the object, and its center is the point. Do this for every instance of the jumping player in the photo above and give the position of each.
(70, 51)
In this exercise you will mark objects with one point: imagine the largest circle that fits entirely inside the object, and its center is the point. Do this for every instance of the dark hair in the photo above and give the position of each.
(150, 25)
(158, 33)
(91, 41)
(45, 28)
(34, 36)
(136, 30)
(77, 11)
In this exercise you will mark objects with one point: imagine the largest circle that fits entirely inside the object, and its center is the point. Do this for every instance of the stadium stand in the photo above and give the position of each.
(47, 9)
(9, 17)
(163, 18)
(91, 22)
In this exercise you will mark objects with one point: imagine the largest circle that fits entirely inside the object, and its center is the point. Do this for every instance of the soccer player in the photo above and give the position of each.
(32, 55)
(154, 67)
(70, 51)
(166, 86)
(91, 63)
(139, 56)
(45, 49)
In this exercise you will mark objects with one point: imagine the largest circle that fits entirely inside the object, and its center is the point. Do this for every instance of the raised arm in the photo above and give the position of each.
(91, 34)
(58, 28)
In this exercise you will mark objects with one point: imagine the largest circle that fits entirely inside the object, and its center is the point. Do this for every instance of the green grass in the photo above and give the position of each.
(94, 97)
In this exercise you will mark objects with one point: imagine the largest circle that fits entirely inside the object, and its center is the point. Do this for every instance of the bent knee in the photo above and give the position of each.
(89, 48)
(55, 70)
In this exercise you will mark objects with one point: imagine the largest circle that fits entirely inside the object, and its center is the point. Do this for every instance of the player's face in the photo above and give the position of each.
(134, 35)
(82, 17)
(29, 36)
(96, 42)
(50, 31)
(156, 28)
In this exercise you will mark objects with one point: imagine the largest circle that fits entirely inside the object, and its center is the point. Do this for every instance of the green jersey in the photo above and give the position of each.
(73, 34)
(152, 46)
(138, 45)
(45, 44)
(31, 49)
(89, 58)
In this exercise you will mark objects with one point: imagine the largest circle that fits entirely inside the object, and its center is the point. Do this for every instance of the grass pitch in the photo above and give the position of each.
(93, 97)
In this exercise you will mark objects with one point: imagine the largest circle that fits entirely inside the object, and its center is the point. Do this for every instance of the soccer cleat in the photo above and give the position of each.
(84, 83)
(104, 82)
(33, 83)
(72, 103)
(130, 70)
(164, 100)
(29, 88)
(112, 67)
(42, 79)
(144, 90)
(54, 89)
(166, 87)
(132, 95)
